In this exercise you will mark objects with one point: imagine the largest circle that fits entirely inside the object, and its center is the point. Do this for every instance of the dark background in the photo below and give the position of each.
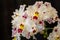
(8, 6)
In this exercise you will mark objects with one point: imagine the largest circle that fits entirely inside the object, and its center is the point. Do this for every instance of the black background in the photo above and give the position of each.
(8, 6)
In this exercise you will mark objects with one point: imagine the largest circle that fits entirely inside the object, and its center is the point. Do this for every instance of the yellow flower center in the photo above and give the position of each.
(36, 14)
(21, 26)
(14, 38)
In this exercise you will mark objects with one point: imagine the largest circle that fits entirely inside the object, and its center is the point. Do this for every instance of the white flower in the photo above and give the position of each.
(55, 35)
(31, 19)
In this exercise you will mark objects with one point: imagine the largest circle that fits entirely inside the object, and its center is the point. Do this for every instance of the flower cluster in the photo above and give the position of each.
(31, 21)
(55, 35)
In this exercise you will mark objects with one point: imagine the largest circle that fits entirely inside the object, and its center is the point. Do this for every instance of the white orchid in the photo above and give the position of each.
(55, 35)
